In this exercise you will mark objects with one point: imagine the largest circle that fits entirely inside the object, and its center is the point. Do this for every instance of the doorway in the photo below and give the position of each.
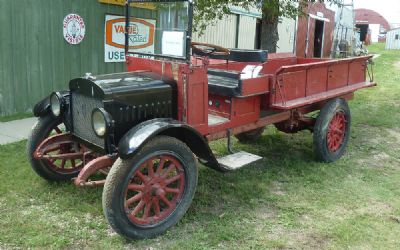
(258, 34)
(318, 38)
(363, 31)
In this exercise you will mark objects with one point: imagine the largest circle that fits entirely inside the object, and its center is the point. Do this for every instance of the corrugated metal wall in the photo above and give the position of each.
(391, 41)
(247, 32)
(222, 33)
(287, 35)
(34, 57)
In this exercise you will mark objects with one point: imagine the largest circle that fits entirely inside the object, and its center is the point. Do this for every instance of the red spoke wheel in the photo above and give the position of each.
(53, 166)
(332, 130)
(146, 195)
(65, 155)
(336, 132)
(155, 190)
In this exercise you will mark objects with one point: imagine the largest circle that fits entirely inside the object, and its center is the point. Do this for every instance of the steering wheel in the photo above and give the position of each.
(206, 49)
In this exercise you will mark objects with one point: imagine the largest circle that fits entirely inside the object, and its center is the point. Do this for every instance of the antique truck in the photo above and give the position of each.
(148, 128)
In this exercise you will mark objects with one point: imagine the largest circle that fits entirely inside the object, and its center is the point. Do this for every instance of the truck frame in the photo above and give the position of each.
(146, 129)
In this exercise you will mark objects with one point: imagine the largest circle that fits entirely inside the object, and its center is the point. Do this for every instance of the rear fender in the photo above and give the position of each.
(138, 136)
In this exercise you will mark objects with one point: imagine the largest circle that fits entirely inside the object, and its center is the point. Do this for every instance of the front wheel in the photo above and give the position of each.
(51, 169)
(146, 195)
(332, 130)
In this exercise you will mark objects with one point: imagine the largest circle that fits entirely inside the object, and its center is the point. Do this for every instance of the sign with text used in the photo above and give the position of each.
(141, 37)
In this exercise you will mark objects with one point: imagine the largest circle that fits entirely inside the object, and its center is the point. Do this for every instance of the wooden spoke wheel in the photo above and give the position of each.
(54, 164)
(336, 132)
(155, 190)
(148, 194)
(332, 130)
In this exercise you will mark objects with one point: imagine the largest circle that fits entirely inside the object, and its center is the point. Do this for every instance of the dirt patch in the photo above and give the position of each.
(397, 65)
(375, 208)
(381, 156)
(395, 134)
(370, 208)
(276, 188)
(379, 146)
(298, 239)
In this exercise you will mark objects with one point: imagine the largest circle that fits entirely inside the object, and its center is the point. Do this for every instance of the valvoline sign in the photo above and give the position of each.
(141, 37)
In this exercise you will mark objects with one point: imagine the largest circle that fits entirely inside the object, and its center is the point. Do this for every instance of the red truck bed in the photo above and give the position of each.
(310, 82)
(296, 82)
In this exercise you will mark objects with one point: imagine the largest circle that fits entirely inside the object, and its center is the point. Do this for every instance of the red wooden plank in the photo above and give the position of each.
(316, 80)
(322, 96)
(338, 76)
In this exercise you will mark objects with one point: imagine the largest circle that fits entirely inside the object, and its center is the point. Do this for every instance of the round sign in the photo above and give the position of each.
(74, 29)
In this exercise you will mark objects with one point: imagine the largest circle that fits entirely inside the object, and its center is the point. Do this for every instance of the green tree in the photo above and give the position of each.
(208, 11)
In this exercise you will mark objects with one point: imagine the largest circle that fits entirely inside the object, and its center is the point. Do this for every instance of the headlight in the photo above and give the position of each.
(56, 104)
(101, 122)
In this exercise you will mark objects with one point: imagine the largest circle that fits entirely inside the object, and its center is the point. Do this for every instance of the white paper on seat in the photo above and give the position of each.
(251, 71)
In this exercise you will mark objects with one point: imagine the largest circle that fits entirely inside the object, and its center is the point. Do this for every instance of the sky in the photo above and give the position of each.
(390, 9)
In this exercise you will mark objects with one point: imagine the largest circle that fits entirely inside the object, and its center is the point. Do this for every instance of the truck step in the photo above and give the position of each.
(238, 160)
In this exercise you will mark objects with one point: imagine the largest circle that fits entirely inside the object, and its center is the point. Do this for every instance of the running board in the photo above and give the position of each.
(238, 160)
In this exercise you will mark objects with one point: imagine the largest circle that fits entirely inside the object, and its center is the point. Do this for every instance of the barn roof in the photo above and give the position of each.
(367, 16)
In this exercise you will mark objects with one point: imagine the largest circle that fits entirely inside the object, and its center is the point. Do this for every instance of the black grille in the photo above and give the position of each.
(82, 108)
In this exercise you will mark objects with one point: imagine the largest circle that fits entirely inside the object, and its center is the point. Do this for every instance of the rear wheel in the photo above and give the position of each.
(146, 195)
(332, 130)
(250, 136)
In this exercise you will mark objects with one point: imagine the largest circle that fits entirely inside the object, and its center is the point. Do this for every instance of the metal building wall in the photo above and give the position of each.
(247, 32)
(391, 41)
(222, 33)
(34, 57)
(287, 35)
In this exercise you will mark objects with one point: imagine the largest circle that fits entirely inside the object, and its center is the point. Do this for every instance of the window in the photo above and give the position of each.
(396, 37)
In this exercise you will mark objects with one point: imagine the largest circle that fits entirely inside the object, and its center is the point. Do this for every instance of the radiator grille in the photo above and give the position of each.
(82, 108)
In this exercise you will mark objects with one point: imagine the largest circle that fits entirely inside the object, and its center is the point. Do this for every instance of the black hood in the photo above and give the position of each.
(116, 86)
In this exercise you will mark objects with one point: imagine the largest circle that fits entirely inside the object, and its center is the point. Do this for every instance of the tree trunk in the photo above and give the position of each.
(269, 33)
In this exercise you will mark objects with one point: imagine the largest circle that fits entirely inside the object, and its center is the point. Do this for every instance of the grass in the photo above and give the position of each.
(286, 201)
(18, 116)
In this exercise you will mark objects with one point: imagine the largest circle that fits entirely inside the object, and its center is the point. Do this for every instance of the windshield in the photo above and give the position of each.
(159, 28)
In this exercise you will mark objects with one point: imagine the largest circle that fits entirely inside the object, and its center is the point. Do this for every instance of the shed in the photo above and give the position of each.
(315, 31)
(393, 39)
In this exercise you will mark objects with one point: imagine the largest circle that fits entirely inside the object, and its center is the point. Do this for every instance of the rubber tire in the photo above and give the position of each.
(39, 133)
(121, 172)
(321, 150)
(250, 136)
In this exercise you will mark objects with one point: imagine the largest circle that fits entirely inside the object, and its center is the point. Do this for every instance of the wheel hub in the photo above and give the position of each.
(336, 132)
(62, 154)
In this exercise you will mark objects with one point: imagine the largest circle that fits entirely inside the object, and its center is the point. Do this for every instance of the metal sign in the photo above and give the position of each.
(141, 37)
(74, 29)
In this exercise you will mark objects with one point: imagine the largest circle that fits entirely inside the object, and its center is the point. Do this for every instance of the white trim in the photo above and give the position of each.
(319, 18)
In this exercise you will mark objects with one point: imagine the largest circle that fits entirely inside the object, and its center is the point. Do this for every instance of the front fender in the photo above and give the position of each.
(138, 136)
(42, 108)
